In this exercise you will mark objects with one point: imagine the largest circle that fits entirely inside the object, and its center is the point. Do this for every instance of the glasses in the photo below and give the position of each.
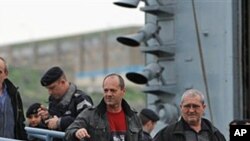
(189, 106)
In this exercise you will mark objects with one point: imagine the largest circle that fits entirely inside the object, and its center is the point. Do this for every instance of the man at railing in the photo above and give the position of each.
(65, 100)
(111, 120)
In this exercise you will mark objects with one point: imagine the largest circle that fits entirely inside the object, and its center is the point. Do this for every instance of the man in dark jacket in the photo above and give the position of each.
(149, 119)
(11, 108)
(111, 120)
(65, 100)
(191, 126)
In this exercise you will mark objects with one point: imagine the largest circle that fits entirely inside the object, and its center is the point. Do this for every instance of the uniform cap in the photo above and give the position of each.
(150, 114)
(33, 109)
(51, 76)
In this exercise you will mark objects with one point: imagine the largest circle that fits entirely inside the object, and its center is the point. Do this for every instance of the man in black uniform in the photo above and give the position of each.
(149, 119)
(65, 100)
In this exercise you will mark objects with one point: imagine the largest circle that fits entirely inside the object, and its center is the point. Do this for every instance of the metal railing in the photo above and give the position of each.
(38, 133)
(44, 134)
(7, 139)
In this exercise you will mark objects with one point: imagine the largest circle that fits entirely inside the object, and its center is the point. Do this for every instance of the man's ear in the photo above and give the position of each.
(124, 91)
(6, 72)
(204, 106)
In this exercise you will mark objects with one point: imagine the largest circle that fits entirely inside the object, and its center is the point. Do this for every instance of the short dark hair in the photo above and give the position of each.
(121, 80)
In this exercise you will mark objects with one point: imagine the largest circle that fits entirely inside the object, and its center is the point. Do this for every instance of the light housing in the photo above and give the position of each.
(127, 3)
(145, 33)
(151, 71)
(167, 112)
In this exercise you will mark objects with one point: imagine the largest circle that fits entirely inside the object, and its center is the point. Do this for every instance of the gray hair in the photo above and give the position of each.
(193, 93)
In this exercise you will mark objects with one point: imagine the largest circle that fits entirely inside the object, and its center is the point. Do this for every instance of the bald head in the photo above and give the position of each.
(121, 80)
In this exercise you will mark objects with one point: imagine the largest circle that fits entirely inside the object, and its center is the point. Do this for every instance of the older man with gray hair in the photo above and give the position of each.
(192, 126)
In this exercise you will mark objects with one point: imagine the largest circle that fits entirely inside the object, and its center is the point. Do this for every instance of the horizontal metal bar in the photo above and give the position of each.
(52, 133)
(8, 139)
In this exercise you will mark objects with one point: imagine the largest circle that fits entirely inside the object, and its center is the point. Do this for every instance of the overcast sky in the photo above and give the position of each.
(23, 20)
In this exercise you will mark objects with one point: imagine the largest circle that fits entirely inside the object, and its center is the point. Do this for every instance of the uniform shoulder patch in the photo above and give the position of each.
(77, 94)
(83, 104)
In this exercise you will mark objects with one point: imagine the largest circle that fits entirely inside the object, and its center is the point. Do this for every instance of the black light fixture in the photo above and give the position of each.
(145, 33)
(150, 72)
(127, 3)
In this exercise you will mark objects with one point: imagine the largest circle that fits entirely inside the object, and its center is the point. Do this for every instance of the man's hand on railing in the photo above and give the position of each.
(82, 133)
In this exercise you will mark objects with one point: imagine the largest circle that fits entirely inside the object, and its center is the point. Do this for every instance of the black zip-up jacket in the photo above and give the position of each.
(67, 109)
(17, 106)
(176, 132)
(96, 122)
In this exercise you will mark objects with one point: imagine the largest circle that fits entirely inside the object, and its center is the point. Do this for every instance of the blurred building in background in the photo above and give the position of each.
(84, 57)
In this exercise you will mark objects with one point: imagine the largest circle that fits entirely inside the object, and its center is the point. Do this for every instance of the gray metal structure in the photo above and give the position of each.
(200, 44)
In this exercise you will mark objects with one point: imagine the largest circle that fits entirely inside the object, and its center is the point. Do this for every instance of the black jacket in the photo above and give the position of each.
(17, 106)
(147, 136)
(73, 102)
(96, 122)
(176, 132)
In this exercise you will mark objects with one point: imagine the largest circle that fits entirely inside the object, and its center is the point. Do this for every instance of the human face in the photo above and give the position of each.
(113, 93)
(151, 126)
(192, 109)
(56, 89)
(3, 73)
(34, 120)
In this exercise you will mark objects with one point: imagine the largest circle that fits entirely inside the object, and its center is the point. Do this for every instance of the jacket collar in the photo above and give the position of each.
(68, 95)
(179, 128)
(102, 108)
(11, 88)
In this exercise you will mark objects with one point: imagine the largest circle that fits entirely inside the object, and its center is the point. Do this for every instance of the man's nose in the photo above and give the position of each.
(191, 108)
(108, 93)
(32, 119)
